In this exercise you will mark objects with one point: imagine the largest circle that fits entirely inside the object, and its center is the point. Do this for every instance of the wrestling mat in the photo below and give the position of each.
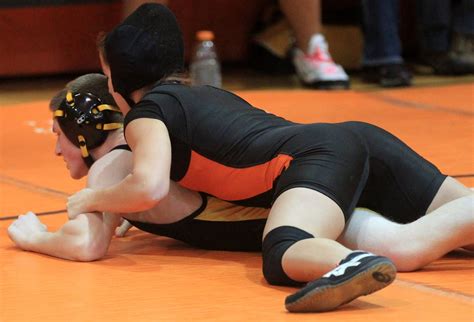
(151, 278)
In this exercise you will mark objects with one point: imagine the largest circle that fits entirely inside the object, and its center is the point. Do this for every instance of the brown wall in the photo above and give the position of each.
(39, 40)
(231, 20)
(53, 39)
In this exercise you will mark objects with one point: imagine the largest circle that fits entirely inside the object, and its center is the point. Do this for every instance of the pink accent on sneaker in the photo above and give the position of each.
(330, 69)
(317, 68)
(319, 56)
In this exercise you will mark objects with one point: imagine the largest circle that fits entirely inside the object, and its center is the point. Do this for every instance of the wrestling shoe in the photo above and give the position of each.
(360, 273)
(317, 69)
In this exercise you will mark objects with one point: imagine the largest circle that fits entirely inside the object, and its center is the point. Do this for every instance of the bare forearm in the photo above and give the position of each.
(59, 245)
(81, 239)
(135, 193)
(148, 182)
(143, 188)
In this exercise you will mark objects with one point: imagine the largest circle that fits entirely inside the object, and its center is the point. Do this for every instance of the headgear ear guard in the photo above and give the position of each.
(86, 121)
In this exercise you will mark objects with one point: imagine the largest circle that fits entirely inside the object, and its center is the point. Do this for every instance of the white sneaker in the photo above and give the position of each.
(316, 68)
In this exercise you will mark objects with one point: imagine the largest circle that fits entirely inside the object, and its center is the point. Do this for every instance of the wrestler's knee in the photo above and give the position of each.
(274, 246)
(407, 258)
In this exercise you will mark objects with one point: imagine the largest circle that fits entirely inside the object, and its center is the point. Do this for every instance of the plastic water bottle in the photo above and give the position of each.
(205, 68)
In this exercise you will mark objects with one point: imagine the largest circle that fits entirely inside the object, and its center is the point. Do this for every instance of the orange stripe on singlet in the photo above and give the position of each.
(230, 183)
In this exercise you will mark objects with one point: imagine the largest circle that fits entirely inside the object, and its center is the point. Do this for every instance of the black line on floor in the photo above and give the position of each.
(436, 290)
(32, 187)
(421, 106)
(44, 213)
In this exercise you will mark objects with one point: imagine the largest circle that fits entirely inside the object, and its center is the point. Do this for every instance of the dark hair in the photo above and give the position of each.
(145, 48)
(57, 99)
(181, 76)
(100, 42)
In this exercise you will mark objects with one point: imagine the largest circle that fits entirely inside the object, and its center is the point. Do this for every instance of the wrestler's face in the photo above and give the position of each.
(71, 154)
(121, 102)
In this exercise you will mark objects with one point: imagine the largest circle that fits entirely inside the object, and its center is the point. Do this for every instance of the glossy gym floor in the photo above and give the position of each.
(151, 278)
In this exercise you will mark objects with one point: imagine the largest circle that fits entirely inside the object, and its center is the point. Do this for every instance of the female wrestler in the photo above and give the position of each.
(312, 176)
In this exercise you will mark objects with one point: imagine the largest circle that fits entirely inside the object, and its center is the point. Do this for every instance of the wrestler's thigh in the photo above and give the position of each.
(401, 184)
(308, 210)
(450, 190)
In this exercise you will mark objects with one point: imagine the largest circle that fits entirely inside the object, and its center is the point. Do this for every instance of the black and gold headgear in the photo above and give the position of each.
(86, 121)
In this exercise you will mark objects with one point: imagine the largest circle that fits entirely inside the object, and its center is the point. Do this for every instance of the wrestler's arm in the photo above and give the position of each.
(148, 181)
(87, 236)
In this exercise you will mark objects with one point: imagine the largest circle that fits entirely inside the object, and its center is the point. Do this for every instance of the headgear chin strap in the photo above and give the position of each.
(86, 121)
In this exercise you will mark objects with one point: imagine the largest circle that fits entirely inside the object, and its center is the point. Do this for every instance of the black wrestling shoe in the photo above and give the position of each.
(360, 273)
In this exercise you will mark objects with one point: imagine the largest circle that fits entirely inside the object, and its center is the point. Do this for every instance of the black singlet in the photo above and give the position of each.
(223, 146)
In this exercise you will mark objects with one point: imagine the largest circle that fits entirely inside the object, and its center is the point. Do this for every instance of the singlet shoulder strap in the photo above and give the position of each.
(121, 147)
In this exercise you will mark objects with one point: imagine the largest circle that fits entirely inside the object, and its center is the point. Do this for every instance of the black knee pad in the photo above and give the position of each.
(274, 245)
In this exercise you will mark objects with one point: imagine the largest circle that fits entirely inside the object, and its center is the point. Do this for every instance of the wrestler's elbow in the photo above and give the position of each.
(153, 191)
(89, 251)
(90, 245)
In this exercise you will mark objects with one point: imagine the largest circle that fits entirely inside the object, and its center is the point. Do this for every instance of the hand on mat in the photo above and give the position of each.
(121, 230)
(23, 230)
(80, 203)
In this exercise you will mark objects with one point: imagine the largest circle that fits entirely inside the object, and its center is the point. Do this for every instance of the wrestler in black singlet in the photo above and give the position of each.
(216, 225)
(224, 147)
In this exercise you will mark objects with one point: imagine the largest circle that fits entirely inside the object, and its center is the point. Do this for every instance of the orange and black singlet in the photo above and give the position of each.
(224, 147)
(221, 145)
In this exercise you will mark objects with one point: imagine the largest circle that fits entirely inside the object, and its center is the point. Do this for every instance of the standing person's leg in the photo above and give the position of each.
(445, 28)
(381, 39)
(382, 60)
(462, 44)
(305, 19)
(312, 60)
(434, 24)
(463, 17)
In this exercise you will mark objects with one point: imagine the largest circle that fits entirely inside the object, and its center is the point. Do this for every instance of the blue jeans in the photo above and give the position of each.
(437, 19)
(463, 17)
(381, 38)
